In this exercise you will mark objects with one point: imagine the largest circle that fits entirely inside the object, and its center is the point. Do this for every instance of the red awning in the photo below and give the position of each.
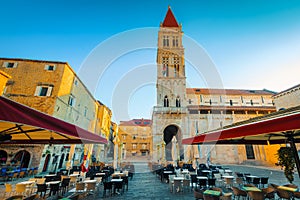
(27, 125)
(276, 128)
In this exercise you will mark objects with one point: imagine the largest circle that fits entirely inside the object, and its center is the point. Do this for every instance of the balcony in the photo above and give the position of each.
(170, 110)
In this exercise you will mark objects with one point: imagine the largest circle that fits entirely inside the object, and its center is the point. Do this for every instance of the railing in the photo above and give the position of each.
(170, 110)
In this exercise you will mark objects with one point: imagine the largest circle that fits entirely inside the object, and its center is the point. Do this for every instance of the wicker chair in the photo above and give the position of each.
(256, 195)
(283, 194)
(238, 193)
(269, 192)
(198, 194)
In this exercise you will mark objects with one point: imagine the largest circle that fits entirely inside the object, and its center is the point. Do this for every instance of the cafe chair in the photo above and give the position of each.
(256, 181)
(80, 187)
(256, 195)
(198, 194)
(177, 187)
(202, 183)
(118, 187)
(32, 197)
(54, 188)
(64, 185)
(186, 184)
(210, 197)
(264, 181)
(90, 188)
(20, 189)
(171, 182)
(42, 189)
(8, 189)
(107, 186)
(211, 182)
(283, 194)
(228, 182)
(125, 182)
(226, 196)
(15, 197)
(238, 193)
(194, 180)
(269, 192)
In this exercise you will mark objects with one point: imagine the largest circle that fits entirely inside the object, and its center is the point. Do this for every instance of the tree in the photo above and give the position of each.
(286, 160)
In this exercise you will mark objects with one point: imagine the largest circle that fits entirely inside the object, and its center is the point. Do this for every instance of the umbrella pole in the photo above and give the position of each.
(296, 156)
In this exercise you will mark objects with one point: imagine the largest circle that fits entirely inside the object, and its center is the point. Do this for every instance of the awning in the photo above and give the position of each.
(26, 125)
(275, 128)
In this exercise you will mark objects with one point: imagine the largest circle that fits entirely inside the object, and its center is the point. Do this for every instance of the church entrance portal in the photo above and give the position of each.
(172, 138)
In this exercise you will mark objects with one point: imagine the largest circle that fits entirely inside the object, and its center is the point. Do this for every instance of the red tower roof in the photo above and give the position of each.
(170, 20)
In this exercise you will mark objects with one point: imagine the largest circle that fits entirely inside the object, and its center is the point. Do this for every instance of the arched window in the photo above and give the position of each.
(165, 70)
(166, 101)
(178, 102)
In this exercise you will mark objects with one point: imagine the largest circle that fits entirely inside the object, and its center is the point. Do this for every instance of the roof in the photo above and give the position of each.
(31, 60)
(287, 90)
(170, 20)
(136, 122)
(211, 91)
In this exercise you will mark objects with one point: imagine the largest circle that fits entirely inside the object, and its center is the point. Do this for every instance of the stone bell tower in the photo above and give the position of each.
(170, 116)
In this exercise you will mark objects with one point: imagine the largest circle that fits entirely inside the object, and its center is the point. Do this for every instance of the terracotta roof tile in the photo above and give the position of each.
(210, 91)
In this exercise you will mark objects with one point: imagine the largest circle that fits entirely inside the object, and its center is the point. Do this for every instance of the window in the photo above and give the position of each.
(250, 151)
(124, 137)
(10, 64)
(165, 63)
(71, 101)
(134, 137)
(230, 102)
(165, 41)
(85, 111)
(178, 102)
(166, 101)
(144, 146)
(175, 41)
(133, 146)
(50, 67)
(43, 90)
(76, 82)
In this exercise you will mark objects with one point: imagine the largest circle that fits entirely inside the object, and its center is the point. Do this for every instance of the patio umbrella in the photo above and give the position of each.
(20, 124)
(276, 128)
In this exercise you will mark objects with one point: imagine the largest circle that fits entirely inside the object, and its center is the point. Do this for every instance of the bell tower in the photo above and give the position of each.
(170, 115)
(171, 84)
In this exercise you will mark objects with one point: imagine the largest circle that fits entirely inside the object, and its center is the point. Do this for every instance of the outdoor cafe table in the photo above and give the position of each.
(178, 178)
(90, 181)
(251, 189)
(52, 182)
(288, 188)
(26, 182)
(50, 175)
(228, 176)
(212, 192)
(202, 177)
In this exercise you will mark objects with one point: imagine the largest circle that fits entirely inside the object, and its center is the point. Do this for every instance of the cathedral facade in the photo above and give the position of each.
(182, 112)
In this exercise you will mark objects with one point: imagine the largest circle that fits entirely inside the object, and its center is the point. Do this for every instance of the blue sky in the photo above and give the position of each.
(253, 44)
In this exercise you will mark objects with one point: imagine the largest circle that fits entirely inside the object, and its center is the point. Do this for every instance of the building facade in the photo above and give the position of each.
(53, 88)
(288, 98)
(182, 112)
(136, 139)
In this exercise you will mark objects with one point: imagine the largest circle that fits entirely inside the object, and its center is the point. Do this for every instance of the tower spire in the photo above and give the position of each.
(170, 20)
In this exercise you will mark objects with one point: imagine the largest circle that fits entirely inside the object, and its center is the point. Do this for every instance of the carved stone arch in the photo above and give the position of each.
(170, 131)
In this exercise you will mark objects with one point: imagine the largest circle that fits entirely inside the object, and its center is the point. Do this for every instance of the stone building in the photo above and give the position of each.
(136, 139)
(287, 98)
(53, 88)
(183, 112)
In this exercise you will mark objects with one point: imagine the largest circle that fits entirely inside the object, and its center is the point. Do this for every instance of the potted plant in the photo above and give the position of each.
(287, 162)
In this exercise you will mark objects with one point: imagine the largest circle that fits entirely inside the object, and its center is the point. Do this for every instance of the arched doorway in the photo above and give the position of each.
(61, 161)
(22, 158)
(173, 145)
(3, 157)
(46, 163)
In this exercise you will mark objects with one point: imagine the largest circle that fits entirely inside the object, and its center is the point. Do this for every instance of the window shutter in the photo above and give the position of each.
(46, 67)
(15, 65)
(37, 91)
(49, 91)
(4, 64)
